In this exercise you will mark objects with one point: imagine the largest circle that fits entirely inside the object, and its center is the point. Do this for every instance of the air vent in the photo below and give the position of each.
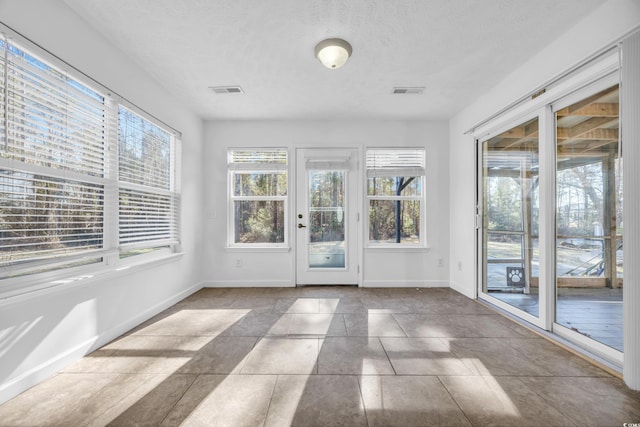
(408, 90)
(227, 89)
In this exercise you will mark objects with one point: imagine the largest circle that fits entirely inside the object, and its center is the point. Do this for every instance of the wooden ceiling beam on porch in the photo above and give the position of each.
(571, 152)
(602, 146)
(584, 127)
(525, 133)
(592, 135)
(532, 137)
(589, 149)
(597, 109)
(570, 110)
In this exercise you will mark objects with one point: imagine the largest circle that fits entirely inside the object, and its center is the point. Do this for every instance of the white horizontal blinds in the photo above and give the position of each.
(51, 165)
(45, 217)
(328, 164)
(148, 200)
(395, 162)
(51, 119)
(258, 159)
(78, 172)
(144, 151)
(147, 219)
(3, 90)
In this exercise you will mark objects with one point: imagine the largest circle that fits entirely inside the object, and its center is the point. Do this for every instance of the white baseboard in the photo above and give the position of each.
(285, 284)
(248, 284)
(43, 371)
(404, 284)
(464, 290)
(39, 373)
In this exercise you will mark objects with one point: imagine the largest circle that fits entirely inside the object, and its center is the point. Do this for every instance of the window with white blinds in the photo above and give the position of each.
(257, 197)
(48, 219)
(396, 162)
(148, 200)
(52, 156)
(59, 170)
(395, 179)
(258, 159)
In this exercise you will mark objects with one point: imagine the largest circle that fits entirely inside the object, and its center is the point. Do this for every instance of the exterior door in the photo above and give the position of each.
(326, 216)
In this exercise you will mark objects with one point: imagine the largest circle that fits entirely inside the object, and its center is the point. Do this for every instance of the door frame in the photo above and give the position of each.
(543, 148)
(356, 201)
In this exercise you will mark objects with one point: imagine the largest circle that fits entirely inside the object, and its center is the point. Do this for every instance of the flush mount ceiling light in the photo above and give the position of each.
(333, 53)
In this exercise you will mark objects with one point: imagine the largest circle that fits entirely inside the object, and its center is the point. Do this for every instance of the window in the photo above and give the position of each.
(59, 180)
(257, 197)
(395, 196)
(52, 176)
(148, 198)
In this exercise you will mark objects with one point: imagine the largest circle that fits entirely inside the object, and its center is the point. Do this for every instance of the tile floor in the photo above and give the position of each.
(322, 356)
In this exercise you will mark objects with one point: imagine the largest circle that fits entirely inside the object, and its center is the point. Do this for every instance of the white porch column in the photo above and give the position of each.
(630, 125)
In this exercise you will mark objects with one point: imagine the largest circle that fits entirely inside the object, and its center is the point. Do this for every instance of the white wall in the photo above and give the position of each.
(598, 30)
(45, 331)
(380, 267)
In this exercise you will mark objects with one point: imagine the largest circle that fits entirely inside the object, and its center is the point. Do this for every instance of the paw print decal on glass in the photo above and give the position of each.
(515, 277)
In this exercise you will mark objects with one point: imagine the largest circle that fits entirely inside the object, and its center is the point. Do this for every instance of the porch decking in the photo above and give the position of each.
(595, 313)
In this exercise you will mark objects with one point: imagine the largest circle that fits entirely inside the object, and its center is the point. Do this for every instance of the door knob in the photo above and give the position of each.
(302, 226)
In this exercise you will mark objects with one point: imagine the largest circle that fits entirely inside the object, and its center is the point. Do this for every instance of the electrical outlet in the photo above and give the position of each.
(238, 262)
(459, 265)
(440, 262)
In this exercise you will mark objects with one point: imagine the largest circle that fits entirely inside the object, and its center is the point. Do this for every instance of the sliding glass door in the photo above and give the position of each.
(510, 205)
(589, 243)
(549, 217)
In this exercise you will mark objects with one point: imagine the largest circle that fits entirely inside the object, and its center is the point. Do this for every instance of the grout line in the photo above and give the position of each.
(318, 347)
(454, 399)
(550, 402)
(401, 328)
(273, 391)
(364, 406)
(387, 354)
(96, 416)
(238, 368)
(195, 377)
(344, 322)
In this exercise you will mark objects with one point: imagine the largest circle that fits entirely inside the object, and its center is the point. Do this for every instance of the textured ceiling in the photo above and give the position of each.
(456, 49)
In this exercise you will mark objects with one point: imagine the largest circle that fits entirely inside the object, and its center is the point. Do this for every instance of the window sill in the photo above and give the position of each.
(258, 249)
(397, 248)
(63, 282)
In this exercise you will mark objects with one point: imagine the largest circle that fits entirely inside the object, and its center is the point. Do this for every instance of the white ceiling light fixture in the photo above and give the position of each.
(333, 53)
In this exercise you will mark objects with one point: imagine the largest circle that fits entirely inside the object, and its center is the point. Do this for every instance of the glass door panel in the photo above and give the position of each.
(589, 244)
(510, 206)
(326, 219)
(327, 249)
